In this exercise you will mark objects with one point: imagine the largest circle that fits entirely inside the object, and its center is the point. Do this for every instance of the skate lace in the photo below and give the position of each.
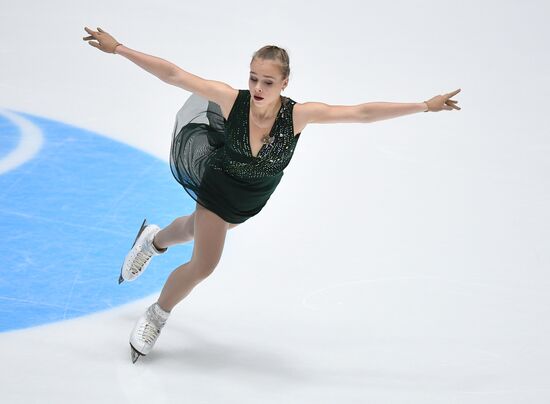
(149, 333)
(139, 262)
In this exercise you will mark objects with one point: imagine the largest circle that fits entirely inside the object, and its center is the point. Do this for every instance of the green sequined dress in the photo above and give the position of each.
(212, 159)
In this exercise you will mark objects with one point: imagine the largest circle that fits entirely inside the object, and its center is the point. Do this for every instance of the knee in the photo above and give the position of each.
(202, 270)
(203, 265)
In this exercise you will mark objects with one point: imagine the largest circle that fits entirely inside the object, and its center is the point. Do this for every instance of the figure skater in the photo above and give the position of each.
(229, 148)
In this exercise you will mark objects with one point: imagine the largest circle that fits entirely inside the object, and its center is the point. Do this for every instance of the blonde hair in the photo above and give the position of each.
(273, 52)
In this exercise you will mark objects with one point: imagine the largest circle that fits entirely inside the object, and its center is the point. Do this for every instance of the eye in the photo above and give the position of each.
(268, 83)
(253, 79)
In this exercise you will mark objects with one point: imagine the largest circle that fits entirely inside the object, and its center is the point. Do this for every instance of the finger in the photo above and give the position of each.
(87, 38)
(100, 30)
(448, 99)
(453, 106)
(89, 31)
(453, 93)
(94, 44)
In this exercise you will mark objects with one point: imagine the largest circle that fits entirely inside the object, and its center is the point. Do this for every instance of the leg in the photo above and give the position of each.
(210, 232)
(181, 230)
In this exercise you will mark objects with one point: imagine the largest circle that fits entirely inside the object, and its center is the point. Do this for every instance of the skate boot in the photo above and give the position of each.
(140, 255)
(146, 331)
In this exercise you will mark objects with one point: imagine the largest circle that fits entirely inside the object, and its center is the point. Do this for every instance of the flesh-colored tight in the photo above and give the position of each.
(209, 231)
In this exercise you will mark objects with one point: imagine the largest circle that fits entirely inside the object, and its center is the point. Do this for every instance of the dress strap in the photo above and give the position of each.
(236, 106)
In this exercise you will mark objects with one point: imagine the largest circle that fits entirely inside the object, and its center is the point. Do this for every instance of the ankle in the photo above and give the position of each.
(157, 314)
(163, 306)
(156, 246)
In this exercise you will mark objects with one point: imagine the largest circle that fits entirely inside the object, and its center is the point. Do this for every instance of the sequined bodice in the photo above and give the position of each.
(272, 157)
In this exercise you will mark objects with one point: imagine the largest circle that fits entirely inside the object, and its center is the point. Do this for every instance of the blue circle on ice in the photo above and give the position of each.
(71, 204)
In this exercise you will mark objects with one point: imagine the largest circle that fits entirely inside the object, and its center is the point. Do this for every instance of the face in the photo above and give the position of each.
(266, 81)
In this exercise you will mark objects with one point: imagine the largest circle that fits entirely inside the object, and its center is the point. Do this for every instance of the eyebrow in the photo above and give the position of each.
(271, 77)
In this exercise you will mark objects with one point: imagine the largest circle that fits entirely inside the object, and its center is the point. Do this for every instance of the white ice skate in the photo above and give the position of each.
(146, 331)
(140, 255)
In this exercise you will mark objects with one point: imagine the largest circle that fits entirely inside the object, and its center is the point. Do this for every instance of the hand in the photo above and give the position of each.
(440, 102)
(105, 42)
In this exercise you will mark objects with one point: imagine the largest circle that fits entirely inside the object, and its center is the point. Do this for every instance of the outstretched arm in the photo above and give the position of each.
(318, 112)
(166, 71)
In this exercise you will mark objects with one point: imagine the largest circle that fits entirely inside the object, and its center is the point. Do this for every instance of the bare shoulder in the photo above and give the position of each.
(299, 117)
(216, 91)
(221, 93)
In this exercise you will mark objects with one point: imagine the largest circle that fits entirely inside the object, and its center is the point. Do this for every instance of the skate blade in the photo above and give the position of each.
(143, 225)
(135, 354)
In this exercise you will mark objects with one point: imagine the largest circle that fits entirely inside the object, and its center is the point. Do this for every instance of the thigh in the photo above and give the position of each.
(210, 232)
(230, 225)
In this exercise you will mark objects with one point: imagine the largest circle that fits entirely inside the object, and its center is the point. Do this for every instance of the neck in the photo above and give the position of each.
(266, 111)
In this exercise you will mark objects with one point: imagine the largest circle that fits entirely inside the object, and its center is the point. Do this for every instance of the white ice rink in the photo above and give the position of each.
(402, 261)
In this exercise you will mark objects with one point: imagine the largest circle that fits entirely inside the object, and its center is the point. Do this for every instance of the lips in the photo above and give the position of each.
(258, 98)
